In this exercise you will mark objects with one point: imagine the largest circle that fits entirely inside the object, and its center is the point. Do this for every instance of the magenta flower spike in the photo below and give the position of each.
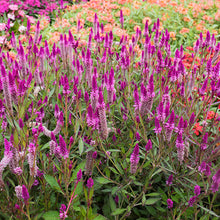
(192, 201)
(204, 141)
(146, 31)
(36, 36)
(216, 182)
(160, 112)
(148, 146)
(21, 124)
(180, 148)
(192, 118)
(63, 214)
(32, 160)
(204, 86)
(134, 159)
(28, 26)
(6, 89)
(79, 175)
(197, 190)
(63, 150)
(90, 183)
(136, 101)
(95, 22)
(103, 129)
(90, 116)
(121, 19)
(94, 93)
(78, 26)
(106, 42)
(169, 203)
(157, 128)
(25, 194)
(170, 180)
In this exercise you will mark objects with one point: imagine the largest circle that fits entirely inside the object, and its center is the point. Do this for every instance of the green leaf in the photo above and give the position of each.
(138, 183)
(100, 217)
(147, 164)
(102, 180)
(51, 215)
(153, 194)
(209, 211)
(156, 172)
(76, 170)
(45, 146)
(151, 201)
(113, 170)
(143, 199)
(112, 203)
(118, 211)
(79, 188)
(53, 183)
(131, 135)
(81, 146)
(51, 92)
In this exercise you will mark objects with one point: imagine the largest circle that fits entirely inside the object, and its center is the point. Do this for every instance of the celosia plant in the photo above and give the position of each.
(99, 132)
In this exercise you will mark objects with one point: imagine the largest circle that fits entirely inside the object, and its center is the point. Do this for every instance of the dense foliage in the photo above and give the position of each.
(118, 125)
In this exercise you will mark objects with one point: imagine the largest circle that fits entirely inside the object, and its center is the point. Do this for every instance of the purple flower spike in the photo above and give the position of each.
(90, 119)
(148, 146)
(21, 124)
(169, 203)
(170, 180)
(94, 155)
(157, 128)
(79, 175)
(192, 118)
(204, 141)
(63, 150)
(86, 97)
(197, 190)
(25, 194)
(202, 90)
(134, 159)
(63, 214)
(121, 19)
(102, 117)
(90, 183)
(216, 182)
(136, 100)
(180, 148)
(192, 201)
(160, 112)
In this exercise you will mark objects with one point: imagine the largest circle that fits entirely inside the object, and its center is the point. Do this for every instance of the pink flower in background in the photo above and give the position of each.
(3, 7)
(31, 19)
(2, 26)
(22, 28)
(21, 13)
(13, 7)
(2, 39)
(11, 16)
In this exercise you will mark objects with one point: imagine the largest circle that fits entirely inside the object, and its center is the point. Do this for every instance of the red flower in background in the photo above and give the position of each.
(212, 115)
(197, 128)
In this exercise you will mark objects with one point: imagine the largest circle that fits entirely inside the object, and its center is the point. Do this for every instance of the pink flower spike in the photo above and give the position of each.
(90, 183)
(169, 203)
(148, 146)
(79, 175)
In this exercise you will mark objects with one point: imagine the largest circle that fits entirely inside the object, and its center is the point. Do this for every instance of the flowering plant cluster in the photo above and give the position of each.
(102, 132)
(37, 7)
